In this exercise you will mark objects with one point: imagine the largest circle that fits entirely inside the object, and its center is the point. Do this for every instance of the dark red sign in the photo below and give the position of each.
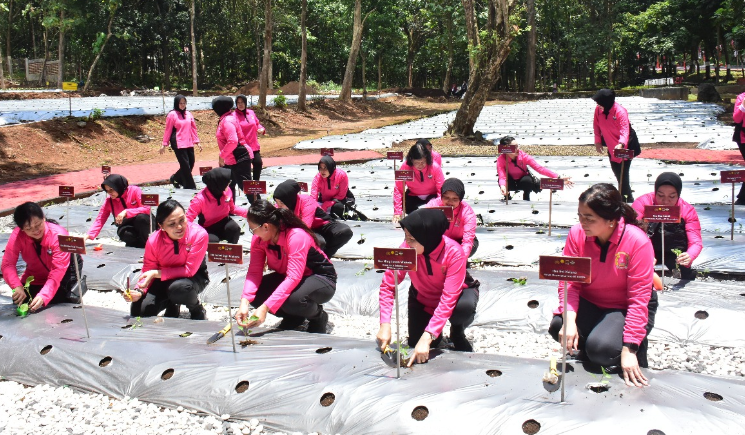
(105, 169)
(303, 186)
(394, 258)
(507, 149)
(447, 210)
(224, 253)
(73, 245)
(404, 175)
(395, 155)
(552, 183)
(150, 199)
(662, 213)
(67, 191)
(732, 176)
(327, 152)
(623, 153)
(204, 169)
(565, 268)
(253, 186)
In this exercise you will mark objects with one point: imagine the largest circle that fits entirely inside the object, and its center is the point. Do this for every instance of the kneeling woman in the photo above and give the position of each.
(303, 278)
(462, 229)
(131, 218)
(519, 177)
(331, 188)
(610, 318)
(330, 233)
(213, 205)
(438, 291)
(174, 269)
(426, 185)
(35, 239)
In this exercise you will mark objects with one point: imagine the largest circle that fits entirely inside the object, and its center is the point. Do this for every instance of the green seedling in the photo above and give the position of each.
(520, 281)
(606, 376)
(677, 253)
(22, 309)
(137, 323)
(402, 348)
(253, 318)
(364, 269)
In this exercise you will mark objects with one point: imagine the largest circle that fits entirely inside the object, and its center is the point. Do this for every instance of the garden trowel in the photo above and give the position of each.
(219, 335)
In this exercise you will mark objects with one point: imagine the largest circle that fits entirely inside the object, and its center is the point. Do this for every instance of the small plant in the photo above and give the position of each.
(520, 281)
(364, 269)
(280, 100)
(677, 253)
(606, 376)
(96, 113)
(403, 349)
(22, 309)
(137, 323)
(362, 239)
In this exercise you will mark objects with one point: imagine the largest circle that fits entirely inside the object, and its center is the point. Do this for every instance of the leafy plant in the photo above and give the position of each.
(677, 253)
(280, 100)
(22, 309)
(520, 281)
(137, 323)
(96, 113)
(364, 269)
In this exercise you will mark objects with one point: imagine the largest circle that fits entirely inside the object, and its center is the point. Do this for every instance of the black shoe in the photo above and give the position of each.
(172, 310)
(318, 325)
(198, 313)
(290, 322)
(458, 337)
(173, 181)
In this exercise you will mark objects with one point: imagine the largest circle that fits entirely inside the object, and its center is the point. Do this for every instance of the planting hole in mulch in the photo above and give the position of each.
(715, 189)
(420, 413)
(731, 220)
(533, 304)
(481, 192)
(540, 232)
(327, 399)
(380, 271)
(246, 343)
(492, 211)
(185, 334)
(494, 373)
(1, 337)
(509, 247)
(46, 349)
(168, 374)
(702, 315)
(741, 294)
(598, 388)
(531, 427)
(101, 265)
(535, 212)
(323, 350)
(714, 397)
(655, 432)
(242, 387)
(66, 321)
(77, 307)
(360, 241)
(718, 237)
(105, 362)
(126, 326)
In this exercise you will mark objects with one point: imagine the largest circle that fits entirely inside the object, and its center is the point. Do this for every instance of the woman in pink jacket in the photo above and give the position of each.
(738, 115)
(174, 269)
(440, 289)
(181, 134)
(251, 128)
(331, 188)
(462, 228)
(610, 318)
(436, 157)
(330, 233)
(613, 130)
(213, 206)
(303, 278)
(520, 178)
(685, 236)
(234, 153)
(426, 185)
(52, 273)
(131, 218)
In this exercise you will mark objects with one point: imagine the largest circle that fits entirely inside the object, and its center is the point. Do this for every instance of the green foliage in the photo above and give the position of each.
(96, 113)
(280, 100)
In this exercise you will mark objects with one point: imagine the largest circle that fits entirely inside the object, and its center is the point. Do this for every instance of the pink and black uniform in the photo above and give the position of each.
(250, 125)
(738, 116)
(685, 235)
(331, 233)
(425, 186)
(213, 206)
(440, 290)
(520, 177)
(332, 193)
(234, 152)
(181, 134)
(611, 126)
(135, 228)
(462, 228)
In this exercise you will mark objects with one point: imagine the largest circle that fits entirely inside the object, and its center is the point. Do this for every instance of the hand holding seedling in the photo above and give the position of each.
(421, 351)
(632, 374)
(120, 217)
(20, 292)
(572, 334)
(384, 336)
(257, 318)
(568, 182)
(683, 258)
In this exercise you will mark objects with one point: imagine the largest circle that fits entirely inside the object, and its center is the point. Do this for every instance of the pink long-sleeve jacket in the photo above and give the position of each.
(250, 125)
(427, 182)
(186, 130)
(305, 209)
(438, 292)
(463, 227)
(206, 205)
(132, 198)
(437, 158)
(160, 253)
(738, 115)
(229, 136)
(48, 269)
(614, 128)
(519, 169)
(339, 183)
(687, 213)
(622, 280)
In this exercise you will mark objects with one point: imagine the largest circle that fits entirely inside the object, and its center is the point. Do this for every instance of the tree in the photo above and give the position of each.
(100, 43)
(530, 52)
(266, 65)
(194, 89)
(357, 28)
(303, 57)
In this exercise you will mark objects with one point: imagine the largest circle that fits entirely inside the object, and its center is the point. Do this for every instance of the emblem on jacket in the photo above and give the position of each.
(134, 202)
(49, 251)
(622, 260)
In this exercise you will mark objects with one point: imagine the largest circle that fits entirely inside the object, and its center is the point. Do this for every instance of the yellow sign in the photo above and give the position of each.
(69, 86)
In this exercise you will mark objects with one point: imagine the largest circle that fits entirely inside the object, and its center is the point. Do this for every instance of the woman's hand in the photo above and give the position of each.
(18, 295)
(199, 145)
(571, 331)
(133, 295)
(599, 147)
(396, 218)
(262, 130)
(242, 313)
(120, 217)
(632, 373)
(568, 182)
(384, 336)
(146, 278)
(36, 304)
(504, 190)
(162, 150)
(259, 313)
(620, 146)
(684, 259)
(421, 351)
(221, 162)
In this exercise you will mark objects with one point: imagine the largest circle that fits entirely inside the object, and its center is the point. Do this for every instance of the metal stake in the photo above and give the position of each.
(507, 180)
(403, 201)
(398, 337)
(550, 206)
(564, 342)
(80, 286)
(230, 307)
(67, 201)
(620, 181)
(732, 229)
(663, 255)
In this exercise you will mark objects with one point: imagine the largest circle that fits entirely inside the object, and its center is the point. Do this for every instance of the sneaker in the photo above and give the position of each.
(458, 337)
(318, 325)
(173, 181)
(172, 310)
(290, 322)
(198, 313)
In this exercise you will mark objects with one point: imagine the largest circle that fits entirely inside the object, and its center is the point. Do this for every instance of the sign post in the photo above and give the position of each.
(303, 186)
(732, 177)
(75, 246)
(395, 155)
(151, 200)
(623, 154)
(105, 170)
(565, 269)
(552, 184)
(69, 86)
(67, 192)
(507, 149)
(395, 259)
(662, 214)
(204, 169)
(226, 253)
(254, 187)
(327, 152)
(404, 176)
(447, 210)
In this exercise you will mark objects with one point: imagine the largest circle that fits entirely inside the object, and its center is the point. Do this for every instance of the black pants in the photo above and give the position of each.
(526, 184)
(304, 301)
(601, 332)
(135, 231)
(741, 194)
(64, 292)
(626, 187)
(332, 236)
(179, 291)
(258, 164)
(186, 160)
(463, 313)
(226, 229)
(413, 202)
(240, 172)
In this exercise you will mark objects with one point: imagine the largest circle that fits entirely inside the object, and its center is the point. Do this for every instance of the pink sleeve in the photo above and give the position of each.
(194, 136)
(307, 210)
(170, 119)
(314, 187)
(150, 259)
(439, 178)
(737, 114)
(469, 230)
(453, 287)
(343, 186)
(693, 231)
(639, 208)
(136, 194)
(255, 269)
(237, 210)
(60, 263)
(103, 215)
(502, 170)
(386, 296)
(596, 126)
(398, 188)
(623, 128)
(639, 289)
(195, 207)
(298, 243)
(571, 249)
(529, 160)
(10, 260)
(193, 259)
(229, 134)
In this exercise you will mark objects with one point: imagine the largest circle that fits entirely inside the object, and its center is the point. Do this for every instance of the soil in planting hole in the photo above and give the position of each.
(494, 373)
(46, 349)
(492, 211)
(77, 307)
(509, 247)
(245, 343)
(702, 315)
(715, 189)
(66, 321)
(741, 294)
(168, 374)
(360, 241)
(242, 387)
(323, 350)
(655, 432)
(327, 399)
(714, 397)
(105, 362)
(101, 265)
(598, 388)
(533, 304)
(126, 326)
(718, 237)
(420, 413)
(535, 212)
(531, 427)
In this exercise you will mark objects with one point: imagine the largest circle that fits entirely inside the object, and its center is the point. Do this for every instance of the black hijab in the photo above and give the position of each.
(669, 178)
(217, 180)
(330, 165)
(118, 184)
(426, 226)
(222, 105)
(176, 100)
(245, 101)
(287, 192)
(453, 185)
(605, 99)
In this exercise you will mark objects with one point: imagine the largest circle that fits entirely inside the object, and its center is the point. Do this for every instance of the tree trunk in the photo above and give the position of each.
(194, 88)
(449, 70)
(530, 54)
(267, 60)
(380, 73)
(364, 80)
(357, 26)
(98, 56)
(472, 33)
(33, 35)
(43, 76)
(303, 57)
(2, 76)
(61, 49)
(8, 52)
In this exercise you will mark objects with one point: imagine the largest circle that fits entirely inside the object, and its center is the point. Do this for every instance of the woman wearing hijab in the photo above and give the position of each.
(738, 116)
(36, 240)
(181, 134)
(131, 218)
(613, 130)
(213, 206)
(438, 290)
(519, 177)
(302, 280)
(251, 128)
(426, 185)
(234, 153)
(331, 188)
(174, 270)
(685, 236)
(331, 234)
(462, 228)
